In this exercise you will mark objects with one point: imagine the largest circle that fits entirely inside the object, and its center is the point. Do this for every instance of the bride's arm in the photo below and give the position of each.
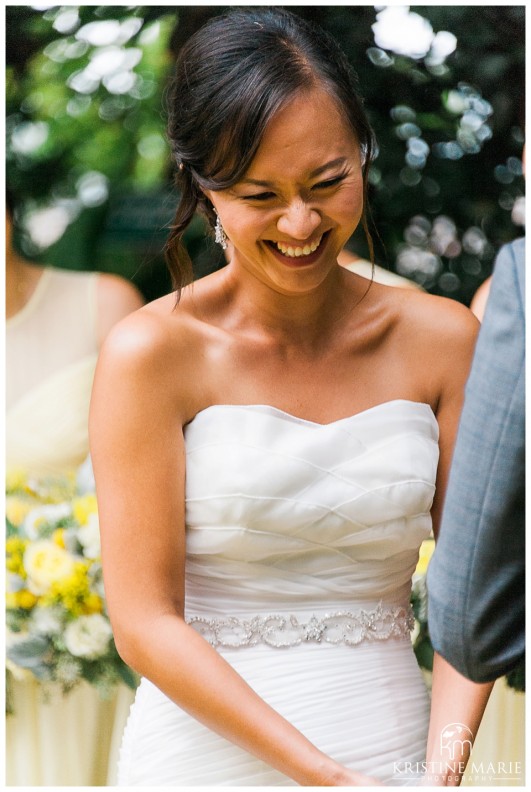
(138, 453)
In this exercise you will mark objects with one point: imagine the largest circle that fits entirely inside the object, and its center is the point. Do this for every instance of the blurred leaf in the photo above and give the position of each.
(516, 678)
(128, 676)
(30, 654)
(424, 653)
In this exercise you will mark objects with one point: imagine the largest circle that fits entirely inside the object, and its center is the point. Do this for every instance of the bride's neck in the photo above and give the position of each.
(295, 318)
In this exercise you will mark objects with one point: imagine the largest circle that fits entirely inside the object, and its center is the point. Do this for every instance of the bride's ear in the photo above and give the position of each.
(207, 207)
(207, 197)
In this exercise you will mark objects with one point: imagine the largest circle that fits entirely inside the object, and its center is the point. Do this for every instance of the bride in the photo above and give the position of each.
(268, 444)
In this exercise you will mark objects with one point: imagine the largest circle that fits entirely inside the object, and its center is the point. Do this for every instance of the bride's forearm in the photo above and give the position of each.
(196, 677)
(456, 711)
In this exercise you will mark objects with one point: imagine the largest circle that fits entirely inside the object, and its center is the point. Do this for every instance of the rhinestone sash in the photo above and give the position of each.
(282, 631)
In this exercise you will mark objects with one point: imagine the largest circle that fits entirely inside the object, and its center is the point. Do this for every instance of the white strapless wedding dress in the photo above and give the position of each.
(301, 542)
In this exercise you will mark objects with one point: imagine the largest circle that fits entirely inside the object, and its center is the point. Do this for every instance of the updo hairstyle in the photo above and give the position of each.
(231, 78)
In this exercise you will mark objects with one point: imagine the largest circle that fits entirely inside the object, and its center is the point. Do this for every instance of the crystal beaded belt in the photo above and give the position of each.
(277, 630)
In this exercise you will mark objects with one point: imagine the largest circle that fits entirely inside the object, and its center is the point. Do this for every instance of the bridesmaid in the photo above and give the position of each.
(56, 322)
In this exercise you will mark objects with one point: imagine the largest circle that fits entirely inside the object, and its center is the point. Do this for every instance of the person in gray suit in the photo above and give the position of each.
(476, 576)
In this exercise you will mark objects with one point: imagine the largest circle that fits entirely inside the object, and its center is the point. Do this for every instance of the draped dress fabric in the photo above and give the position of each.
(292, 518)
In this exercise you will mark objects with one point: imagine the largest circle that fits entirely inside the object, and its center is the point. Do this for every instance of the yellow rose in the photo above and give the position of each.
(15, 547)
(425, 553)
(15, 564)
(17, 509)
(25, 599)
(46, 563)
(14, 544)
(93, 604)
(83, 507)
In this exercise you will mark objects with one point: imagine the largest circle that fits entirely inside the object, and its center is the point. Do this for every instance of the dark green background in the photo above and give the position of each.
(104, 132)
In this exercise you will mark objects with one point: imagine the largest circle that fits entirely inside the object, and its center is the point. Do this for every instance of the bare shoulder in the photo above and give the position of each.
(432, 337)
(439, 335)
(439, 321)
(152, 353)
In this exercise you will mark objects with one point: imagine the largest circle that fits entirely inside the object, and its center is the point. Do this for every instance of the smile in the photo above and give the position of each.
(298, 255)
(294, 252)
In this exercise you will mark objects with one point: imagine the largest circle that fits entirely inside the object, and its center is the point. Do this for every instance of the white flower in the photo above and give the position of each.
(68, 670)
(46, 621)
(46, 562)
(88, 636)
(49, 514)
(89, 537)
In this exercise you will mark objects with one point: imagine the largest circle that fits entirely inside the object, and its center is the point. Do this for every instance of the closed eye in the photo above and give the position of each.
(258, 196)
(329, 182)
(323, 185)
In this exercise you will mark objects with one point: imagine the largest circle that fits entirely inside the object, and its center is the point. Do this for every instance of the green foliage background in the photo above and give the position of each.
(85, 136)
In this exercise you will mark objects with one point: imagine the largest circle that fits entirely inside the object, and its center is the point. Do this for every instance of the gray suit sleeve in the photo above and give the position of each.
(476, 576)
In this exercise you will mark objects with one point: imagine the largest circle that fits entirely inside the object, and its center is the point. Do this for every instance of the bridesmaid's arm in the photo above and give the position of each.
(138, 410)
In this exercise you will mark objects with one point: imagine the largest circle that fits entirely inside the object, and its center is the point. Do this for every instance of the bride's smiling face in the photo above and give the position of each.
(301, 198)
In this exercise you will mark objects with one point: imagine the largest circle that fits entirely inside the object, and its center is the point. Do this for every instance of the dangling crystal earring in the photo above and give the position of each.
(221, 237)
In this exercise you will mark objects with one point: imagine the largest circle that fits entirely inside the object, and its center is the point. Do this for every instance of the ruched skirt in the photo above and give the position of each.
(366, 706)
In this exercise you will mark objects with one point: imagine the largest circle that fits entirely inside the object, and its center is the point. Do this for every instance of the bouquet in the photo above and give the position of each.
(58, 629)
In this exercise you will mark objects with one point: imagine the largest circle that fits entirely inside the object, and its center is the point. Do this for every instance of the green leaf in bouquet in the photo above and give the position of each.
(31, 654)
(66, 522)
(46, 530)
(29, 649)
(128, 676)
(11, 529)
(424, 652)
(92, 669)
(16, 618)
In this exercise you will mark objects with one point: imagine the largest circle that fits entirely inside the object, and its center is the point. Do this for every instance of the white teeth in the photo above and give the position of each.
(295, 252)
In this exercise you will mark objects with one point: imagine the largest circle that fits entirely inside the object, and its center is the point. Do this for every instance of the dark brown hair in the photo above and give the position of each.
(231, 78)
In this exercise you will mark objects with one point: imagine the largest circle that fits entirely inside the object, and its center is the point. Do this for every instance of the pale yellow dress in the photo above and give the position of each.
(51, 352)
